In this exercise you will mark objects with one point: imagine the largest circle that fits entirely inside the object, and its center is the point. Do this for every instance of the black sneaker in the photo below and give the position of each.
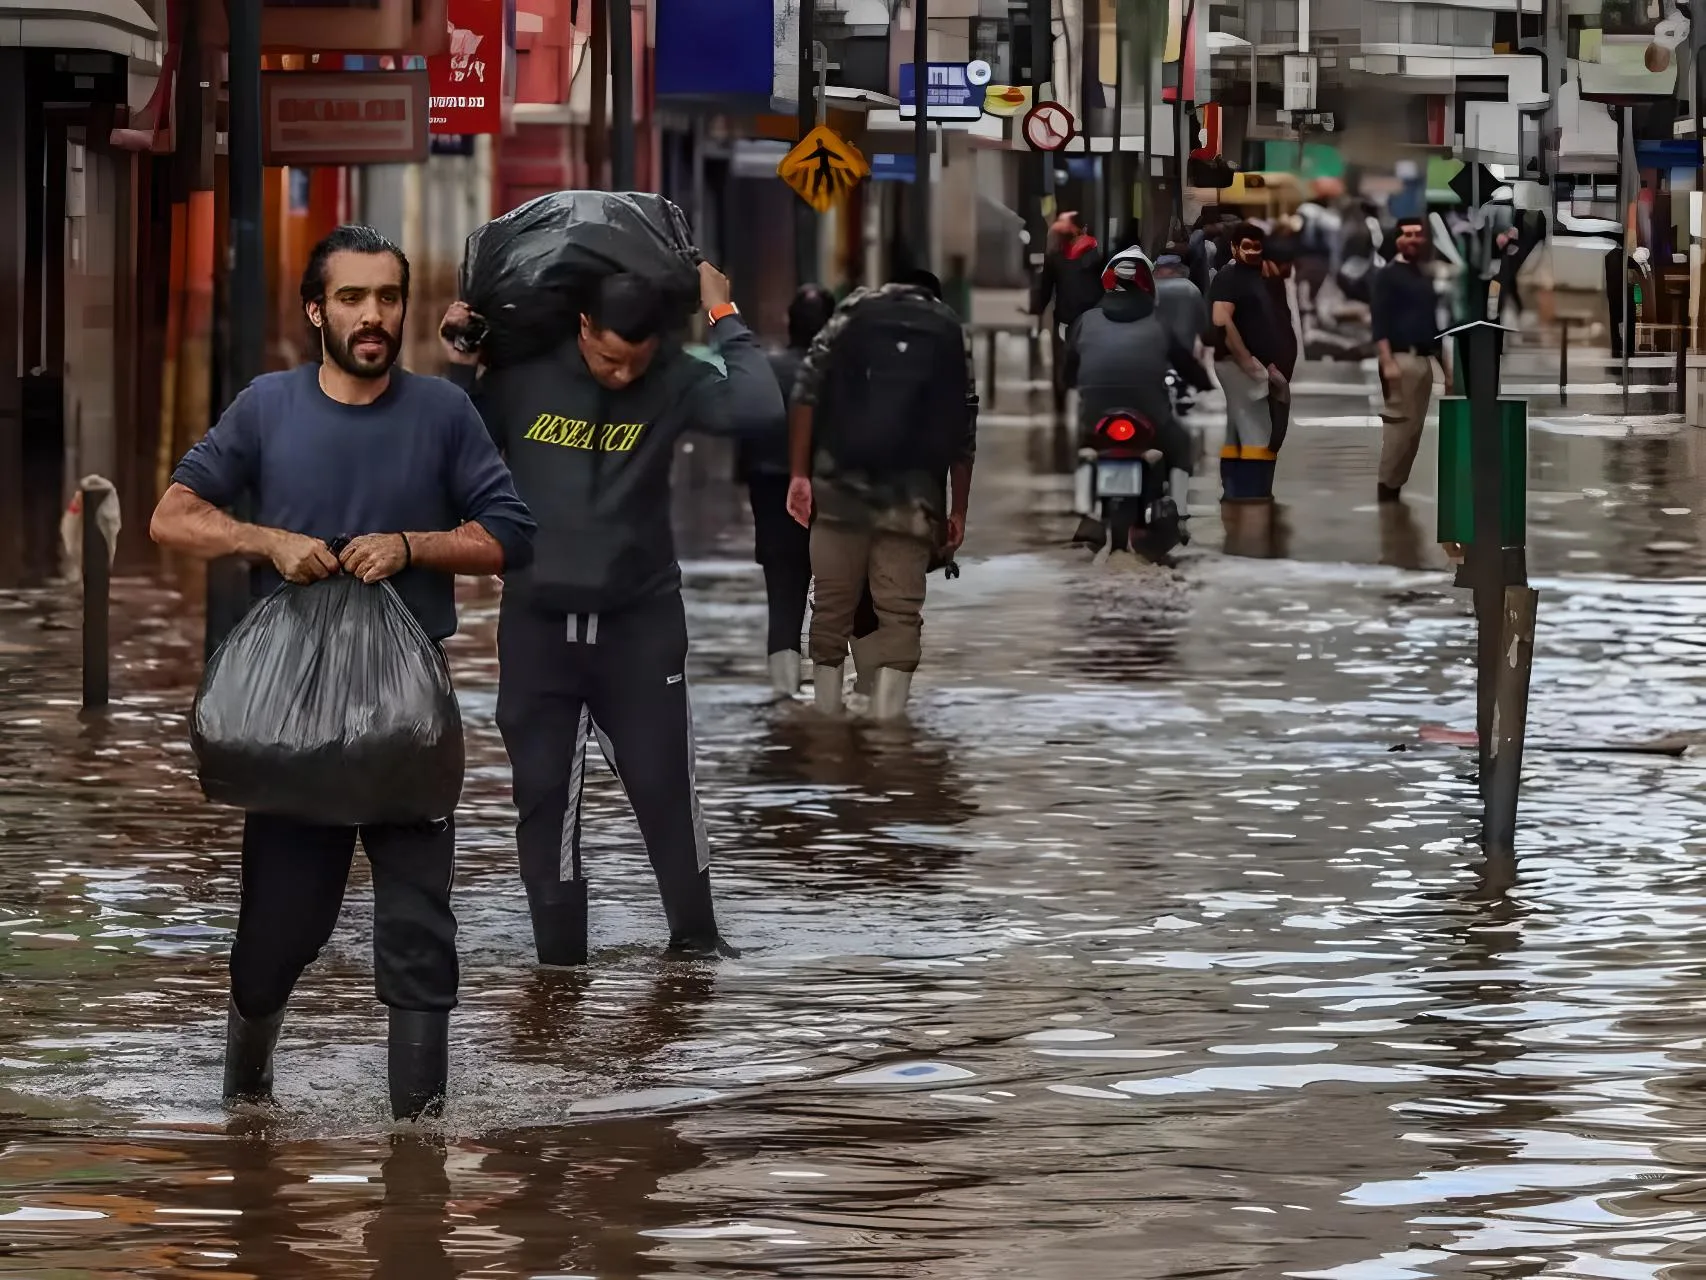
(1389, 494)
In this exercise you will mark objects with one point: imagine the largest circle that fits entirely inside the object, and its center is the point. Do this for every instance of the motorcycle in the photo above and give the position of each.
(1123, 491)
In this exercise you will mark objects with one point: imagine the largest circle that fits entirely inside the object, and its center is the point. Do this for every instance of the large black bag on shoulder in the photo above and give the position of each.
(894, 392)
(529, 273)
(328, 703)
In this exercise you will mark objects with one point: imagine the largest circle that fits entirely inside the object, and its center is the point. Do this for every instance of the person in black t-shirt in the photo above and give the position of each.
(1249, 346)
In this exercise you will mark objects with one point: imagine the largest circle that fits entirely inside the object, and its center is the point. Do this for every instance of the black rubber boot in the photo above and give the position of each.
(559, 922)
(692, 917)
(702, 948)
(249, 1045)
(419, 1063)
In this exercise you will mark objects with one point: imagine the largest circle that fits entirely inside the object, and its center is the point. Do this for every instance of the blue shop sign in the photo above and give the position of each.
(953, 94)
(894, 168)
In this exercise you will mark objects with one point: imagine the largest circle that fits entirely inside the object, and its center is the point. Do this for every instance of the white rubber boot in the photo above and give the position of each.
(1179, 489)
(826, 690)
(864, 667)
(888, 701)
(785, 673)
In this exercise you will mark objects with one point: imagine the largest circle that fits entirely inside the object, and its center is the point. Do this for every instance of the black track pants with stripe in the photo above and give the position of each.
(293, 888)
(565, 679)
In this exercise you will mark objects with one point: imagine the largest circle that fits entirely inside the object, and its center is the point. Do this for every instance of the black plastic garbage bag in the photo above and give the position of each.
(529, 273)
(329, 704)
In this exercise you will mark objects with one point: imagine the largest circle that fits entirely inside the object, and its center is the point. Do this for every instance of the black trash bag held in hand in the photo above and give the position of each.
(529, 274)
(329, 704)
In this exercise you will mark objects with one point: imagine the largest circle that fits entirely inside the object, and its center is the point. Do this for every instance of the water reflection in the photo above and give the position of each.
(1402, 544)
(1140, 953)
(406, 1239)
(1257, 530)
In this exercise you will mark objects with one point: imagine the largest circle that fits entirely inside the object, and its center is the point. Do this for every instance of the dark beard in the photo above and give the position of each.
(340, 349)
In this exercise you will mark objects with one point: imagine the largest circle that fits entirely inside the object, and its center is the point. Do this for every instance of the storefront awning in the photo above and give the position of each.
(107, 26)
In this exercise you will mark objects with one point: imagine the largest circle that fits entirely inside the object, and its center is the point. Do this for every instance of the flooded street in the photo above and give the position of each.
(1158, 944)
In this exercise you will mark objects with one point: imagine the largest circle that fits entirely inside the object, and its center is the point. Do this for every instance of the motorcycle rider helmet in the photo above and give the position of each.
(1129, 271)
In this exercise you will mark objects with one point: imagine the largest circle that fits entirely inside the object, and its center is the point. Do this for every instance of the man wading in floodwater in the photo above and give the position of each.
(350, 445)
(592, 638)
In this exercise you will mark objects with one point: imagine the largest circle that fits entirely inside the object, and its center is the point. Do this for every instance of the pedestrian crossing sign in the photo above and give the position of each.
(823, 168)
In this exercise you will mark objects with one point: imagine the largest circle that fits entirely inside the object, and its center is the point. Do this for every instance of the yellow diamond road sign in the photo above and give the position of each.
(823, 168)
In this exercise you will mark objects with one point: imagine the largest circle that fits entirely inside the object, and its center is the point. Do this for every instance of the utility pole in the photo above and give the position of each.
(228, 579)
(598, 111)
(1184, 102)
(1697, 109)
(621, 24)
(1628, 192)
(805, 217)
(1146, 180)
(1089, 96)
(921, 133)
(1042, 75)
(1111, 175)
(248, 265)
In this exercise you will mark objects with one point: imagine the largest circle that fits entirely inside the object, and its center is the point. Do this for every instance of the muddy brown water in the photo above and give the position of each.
(1141, 952)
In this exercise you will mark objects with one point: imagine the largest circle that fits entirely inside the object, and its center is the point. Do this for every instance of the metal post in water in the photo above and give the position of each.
(1481, 341)
(97, 592)
(1682, 369)
(1518, 606)
(1626, 171)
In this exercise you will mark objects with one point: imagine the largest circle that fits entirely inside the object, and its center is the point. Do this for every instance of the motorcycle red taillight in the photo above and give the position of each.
(1126, 430)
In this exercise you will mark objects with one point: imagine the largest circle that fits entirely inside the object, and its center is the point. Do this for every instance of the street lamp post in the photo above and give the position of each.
(621, 26)
(921, 132)
(228, 579)
(805, 217)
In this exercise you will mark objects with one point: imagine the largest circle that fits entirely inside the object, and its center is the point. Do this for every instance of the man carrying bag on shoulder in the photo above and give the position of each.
(882, 435)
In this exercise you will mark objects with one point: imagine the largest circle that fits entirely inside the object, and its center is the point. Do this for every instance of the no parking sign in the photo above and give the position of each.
(1048, 126)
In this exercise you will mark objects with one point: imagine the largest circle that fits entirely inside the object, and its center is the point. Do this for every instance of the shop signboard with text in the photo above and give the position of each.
(470, 81)
(344, 117)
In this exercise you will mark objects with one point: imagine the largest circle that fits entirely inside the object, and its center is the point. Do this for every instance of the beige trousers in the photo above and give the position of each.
(1403, 416)
(844, 558)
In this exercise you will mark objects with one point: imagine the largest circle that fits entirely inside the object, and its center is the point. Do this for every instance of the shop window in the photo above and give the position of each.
(1506, 30)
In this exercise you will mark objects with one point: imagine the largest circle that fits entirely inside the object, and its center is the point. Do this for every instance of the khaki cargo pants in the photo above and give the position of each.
(1403, 416)
(844, 558)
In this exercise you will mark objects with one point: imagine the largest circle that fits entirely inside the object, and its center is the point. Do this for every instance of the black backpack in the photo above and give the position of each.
(894, 396)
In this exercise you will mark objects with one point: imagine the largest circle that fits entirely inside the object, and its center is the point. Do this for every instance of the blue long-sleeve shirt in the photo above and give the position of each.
(417, 459)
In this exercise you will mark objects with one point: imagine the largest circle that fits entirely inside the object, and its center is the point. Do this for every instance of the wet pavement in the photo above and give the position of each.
(1156, 946)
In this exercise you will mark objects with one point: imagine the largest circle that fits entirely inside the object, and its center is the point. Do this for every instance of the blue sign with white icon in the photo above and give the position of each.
(955, 90)
(894, 168)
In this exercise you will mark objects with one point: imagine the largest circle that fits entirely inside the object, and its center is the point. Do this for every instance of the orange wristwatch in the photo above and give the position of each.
(722, 312)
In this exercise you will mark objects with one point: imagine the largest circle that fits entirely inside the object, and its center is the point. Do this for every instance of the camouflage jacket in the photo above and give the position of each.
(912, 503)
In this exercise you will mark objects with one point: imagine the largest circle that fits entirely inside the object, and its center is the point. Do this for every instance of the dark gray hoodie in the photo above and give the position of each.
(593, 465)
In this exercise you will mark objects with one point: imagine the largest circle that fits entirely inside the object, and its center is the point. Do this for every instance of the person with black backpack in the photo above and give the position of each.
(882, 435)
